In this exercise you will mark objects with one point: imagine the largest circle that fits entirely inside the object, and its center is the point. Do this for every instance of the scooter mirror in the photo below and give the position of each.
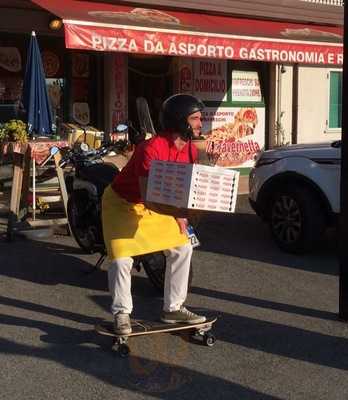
(121, 127)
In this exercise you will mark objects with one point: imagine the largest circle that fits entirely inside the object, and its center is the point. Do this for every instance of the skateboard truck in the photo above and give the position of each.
(204, 334)
(120, 344)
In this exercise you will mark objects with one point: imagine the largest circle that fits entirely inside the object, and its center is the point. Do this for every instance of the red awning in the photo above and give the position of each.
(107, 27)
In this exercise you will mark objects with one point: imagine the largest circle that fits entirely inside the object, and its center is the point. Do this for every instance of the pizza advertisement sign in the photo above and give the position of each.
(210, 79)
(246, 86)
(232, 136)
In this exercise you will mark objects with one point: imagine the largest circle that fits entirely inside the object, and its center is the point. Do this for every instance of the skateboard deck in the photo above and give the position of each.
(145, 327)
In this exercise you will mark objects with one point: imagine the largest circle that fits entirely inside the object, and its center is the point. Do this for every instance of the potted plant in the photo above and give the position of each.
(14, 130)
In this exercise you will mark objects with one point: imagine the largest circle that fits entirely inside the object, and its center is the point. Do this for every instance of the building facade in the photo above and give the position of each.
(267, 80)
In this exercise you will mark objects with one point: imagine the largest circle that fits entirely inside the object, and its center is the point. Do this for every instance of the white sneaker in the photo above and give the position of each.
(182, 316)
(122, 324)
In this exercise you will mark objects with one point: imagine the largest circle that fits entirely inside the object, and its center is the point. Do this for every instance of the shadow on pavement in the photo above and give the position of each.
(162, 380)
(267, 337)
(49, 263)
(267, 304)
(43, 309)
(243, 235)
(286, 341)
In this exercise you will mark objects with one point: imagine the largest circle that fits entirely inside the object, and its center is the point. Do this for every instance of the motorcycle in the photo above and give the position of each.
(85, 186)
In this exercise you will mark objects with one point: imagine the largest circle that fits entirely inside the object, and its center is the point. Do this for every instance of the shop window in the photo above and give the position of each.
(335, 100)
(85, 95)
(149, 77)
(13, 58)
(10, 96)
(10, 81)
(224, 83)
(53, 64)
(55, 90)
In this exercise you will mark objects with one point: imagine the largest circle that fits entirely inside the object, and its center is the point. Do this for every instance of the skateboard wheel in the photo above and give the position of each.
(124, 350)
(209, 340)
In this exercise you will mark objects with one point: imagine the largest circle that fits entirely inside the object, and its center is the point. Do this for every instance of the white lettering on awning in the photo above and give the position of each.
(182, 45)
(275, 55)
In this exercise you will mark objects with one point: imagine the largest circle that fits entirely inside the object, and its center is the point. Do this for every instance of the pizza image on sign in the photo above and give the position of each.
(232, 144)
(244, 124)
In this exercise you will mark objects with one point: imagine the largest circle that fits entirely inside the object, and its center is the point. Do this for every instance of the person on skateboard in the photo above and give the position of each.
(133, 227)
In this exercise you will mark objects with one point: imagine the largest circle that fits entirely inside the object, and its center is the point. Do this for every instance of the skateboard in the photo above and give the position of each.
(142, 327)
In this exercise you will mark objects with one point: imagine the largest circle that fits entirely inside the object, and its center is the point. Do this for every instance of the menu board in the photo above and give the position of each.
(193, 186)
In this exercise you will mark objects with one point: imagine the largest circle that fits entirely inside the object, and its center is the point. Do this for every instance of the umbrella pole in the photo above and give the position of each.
(34, 190)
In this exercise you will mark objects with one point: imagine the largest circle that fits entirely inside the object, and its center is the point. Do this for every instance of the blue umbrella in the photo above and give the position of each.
(35, 98)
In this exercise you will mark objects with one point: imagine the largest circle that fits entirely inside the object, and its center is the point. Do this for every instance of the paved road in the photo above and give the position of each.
(278, 333)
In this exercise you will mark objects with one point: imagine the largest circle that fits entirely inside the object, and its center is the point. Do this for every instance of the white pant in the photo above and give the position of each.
(175, 283)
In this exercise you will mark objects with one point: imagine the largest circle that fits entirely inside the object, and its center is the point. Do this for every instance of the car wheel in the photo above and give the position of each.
(296, 218)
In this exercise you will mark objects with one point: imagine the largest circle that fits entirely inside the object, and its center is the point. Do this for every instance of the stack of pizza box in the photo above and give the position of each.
(193, 186)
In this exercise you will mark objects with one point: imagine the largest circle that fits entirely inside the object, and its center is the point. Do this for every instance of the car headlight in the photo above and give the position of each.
(265, 161)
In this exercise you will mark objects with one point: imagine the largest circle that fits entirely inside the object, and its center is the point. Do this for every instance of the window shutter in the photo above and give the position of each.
(335, 110)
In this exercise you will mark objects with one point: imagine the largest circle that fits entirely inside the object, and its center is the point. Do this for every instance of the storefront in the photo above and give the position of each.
(73, 94)
(225, 61)
(233, 92)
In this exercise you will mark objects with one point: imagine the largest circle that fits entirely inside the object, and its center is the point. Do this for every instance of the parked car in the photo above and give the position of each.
(296, 190)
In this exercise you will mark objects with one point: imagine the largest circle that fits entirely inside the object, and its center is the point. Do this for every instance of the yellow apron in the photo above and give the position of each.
(131, 229)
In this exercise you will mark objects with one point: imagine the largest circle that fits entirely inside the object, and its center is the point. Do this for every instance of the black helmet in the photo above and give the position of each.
(175, 111)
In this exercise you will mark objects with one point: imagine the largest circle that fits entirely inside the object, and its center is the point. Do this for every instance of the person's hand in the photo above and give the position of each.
(183, 223)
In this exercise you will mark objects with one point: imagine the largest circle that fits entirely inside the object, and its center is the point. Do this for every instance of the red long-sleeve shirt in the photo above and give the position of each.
(160, 147)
